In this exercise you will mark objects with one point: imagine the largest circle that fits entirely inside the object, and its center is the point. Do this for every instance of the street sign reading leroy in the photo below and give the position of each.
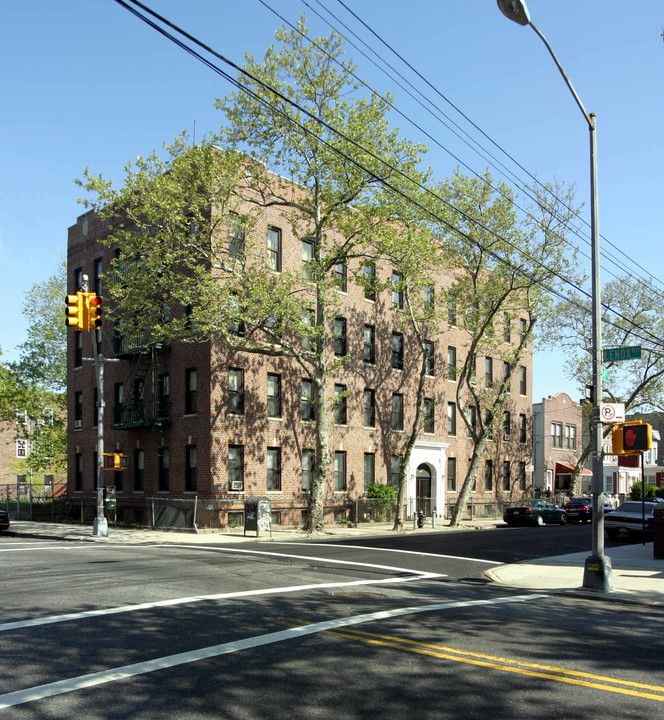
(612, 412)
(626, 352)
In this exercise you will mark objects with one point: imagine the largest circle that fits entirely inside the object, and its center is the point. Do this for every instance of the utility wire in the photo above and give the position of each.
(388, 185)
(470, 121)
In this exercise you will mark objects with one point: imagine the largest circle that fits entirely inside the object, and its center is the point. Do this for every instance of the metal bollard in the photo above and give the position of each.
(420, 519)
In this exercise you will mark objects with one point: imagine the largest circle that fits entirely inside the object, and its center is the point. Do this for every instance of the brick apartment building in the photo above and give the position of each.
(557, 444)
(199, 421)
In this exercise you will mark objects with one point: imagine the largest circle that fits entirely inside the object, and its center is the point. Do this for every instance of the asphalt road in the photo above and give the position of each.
(309, 631)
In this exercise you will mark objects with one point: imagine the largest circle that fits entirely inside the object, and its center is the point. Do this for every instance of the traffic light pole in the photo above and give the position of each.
(100, 526)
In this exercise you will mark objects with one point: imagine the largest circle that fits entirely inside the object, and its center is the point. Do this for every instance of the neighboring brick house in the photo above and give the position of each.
(557, 444)
(198, 421)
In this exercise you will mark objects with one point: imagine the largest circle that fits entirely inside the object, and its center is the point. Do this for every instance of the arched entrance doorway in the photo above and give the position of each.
(423, 489)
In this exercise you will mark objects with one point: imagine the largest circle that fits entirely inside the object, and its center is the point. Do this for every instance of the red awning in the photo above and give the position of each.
(563, 468)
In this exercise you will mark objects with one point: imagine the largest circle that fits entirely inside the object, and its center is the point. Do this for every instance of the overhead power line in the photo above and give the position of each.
(336, 132)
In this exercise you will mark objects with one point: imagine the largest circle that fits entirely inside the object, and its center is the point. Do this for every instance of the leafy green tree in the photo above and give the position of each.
(32, 390)
(504, 271)
(188, 225)
(631, 316)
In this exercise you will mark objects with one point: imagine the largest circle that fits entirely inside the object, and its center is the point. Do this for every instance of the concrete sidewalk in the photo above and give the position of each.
(637, 576)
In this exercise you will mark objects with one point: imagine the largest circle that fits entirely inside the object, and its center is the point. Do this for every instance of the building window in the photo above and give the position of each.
(370, 281)
(522, 476)
(451, 311)
(506, 475)
(397, 411)
(236, 237)
(395, 471)
(570, 437)
(340, 343)
(429, 358)
(308, 322)
(523, 329)
(488, 475)
(369, 408)
(556, 435)
(190, 391)
(340, 405)
(507, 425)
(78, 349)
(429, 301)
(78, 472)
(397, 351)
(341, 275)
(451, 363)
(273, 395)
(307, 470)
(235, 467)
(339, 471)
(274, 469)
(369, 469)
(307, 257)
(522, 429)
(163, 396)
(397, 290)
(163, 470)
(428, 421)
(307, 400)
(78, 409)
(507, 368)
(236, 391)
(473, 419)
(274, 248)
(95, 460)
(451, 418)
(451, 474)
(369, 348)
(95, 407)
(139, 469)
(488, 371)
(522, 380)
(507, 327)
(190, 464)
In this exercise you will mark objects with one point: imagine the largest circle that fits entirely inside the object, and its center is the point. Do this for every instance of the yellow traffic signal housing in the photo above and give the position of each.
(115, 461)
(93, 307)
(75, 311)
(631, 438)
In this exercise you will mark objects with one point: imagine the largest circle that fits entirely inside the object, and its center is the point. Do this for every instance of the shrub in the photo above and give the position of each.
(636, 490)
(381, 490)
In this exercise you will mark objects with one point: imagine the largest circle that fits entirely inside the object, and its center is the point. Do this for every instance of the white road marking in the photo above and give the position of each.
(169, 661)
(406, 552)
(413, 575)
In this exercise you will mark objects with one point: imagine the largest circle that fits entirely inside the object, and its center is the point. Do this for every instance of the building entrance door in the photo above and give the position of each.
(423, 487)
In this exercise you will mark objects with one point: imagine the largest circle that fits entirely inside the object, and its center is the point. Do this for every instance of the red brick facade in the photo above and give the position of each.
(213, 427)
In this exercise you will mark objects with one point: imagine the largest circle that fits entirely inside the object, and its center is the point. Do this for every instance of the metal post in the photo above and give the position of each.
(597, 573)
(597, 570)
(100, 526)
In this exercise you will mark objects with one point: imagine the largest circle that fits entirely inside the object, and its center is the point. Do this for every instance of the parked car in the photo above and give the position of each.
(536, 512)
(580, 509)
(4, 520)
(626, 519)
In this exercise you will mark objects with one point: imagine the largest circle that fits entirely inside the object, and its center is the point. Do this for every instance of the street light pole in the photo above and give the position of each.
(597, 574)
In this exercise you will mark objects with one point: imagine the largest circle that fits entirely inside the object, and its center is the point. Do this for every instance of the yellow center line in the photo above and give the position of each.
(547, 672)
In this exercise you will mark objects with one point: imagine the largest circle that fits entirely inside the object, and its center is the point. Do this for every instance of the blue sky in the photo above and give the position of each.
(86, 84)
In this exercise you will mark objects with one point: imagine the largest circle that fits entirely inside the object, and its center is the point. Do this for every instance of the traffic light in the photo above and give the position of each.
(93, 303)
(75, 311)
(637, 438)
(115, 461)
(631, 438)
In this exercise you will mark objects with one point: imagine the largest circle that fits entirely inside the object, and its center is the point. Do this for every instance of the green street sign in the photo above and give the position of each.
(622, 353)
(605, 374)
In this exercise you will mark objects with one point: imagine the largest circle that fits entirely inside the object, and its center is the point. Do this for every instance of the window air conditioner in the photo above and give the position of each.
(236, 484)
(78, 424)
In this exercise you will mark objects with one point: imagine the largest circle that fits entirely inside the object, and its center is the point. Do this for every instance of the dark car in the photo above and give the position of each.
(4, 520)
(627, 519)
(580, 509)
(536, 512)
